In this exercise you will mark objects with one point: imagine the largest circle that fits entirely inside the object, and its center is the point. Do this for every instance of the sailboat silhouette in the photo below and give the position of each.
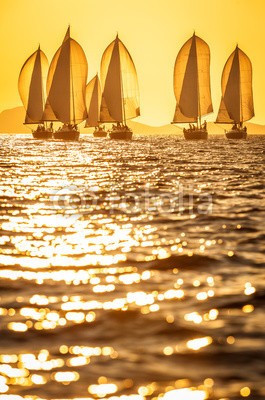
(120, 98)
(237, 98)
(192, 87)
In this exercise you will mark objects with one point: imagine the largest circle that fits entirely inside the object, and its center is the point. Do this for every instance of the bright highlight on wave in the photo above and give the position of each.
(197, 344)
(186, 394)
(102, 390)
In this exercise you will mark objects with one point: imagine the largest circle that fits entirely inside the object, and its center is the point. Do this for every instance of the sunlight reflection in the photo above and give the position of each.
(248, 308)
(197, 344)
(17, 327)
(187, 394)
(66, 377)
(249, 289)
(245, 391)
(103, 389)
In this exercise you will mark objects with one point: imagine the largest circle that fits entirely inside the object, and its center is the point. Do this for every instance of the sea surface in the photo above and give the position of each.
(132, 270)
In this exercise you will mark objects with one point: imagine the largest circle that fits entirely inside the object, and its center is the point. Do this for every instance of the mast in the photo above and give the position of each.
(198, 86)
(71, 82)
(122, 93)
(42, 88)
(240, 89)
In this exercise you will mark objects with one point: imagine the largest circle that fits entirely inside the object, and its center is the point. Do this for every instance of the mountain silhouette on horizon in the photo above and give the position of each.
(12, 121)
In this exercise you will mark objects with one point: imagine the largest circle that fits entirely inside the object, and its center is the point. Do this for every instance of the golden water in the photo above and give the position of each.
(132, 270)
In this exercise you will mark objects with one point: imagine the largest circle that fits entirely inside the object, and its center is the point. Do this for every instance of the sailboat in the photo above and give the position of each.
(237, 98)
(66, 86)
(192, 87)
(120, 98)
(93, 101)
(31, 90)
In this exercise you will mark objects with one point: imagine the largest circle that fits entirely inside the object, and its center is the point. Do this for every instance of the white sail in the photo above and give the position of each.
(237, 97)
(93, 101)
(66, 83)
(192, 81)
(120, 99)
(31, 88)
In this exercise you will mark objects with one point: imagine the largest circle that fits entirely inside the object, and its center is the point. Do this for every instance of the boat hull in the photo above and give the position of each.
(67, 135)
(99, 134)
(236, 134)
(195, 134)
(120, 134)
(42, 134)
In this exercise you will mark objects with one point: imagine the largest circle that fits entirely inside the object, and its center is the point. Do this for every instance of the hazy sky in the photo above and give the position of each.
(152, 30)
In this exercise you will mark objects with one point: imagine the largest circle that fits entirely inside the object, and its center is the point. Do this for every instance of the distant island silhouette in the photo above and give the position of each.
(11, 121)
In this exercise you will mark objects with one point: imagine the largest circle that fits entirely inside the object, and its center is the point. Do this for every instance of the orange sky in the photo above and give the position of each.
(152, 30)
